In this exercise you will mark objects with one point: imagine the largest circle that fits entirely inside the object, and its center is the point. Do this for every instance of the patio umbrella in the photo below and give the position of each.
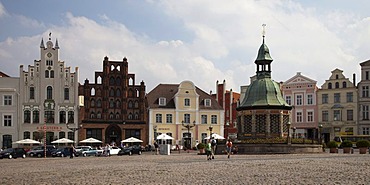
(90, 140)
(215, 136)
(164, 136)
(26, 141)
(132, 140)
(62, 141)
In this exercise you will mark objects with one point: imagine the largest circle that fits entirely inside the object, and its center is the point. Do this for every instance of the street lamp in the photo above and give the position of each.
(210, 132)
(74, 129)
(320, 130)
(227, 129)
(155, 133)
(288, 138)
(188, 126)
(294, 128)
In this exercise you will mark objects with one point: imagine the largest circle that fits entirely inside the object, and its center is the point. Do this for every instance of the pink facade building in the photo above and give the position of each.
(300, 92)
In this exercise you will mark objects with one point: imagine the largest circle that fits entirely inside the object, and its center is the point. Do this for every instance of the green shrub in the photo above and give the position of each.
(346, 144)
(362, 143)
(201, 146)
(332, 144)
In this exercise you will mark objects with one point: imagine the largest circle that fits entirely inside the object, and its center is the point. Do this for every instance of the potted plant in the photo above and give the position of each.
(201, 147)
(347, 146)
(333, 146)
(363, 145)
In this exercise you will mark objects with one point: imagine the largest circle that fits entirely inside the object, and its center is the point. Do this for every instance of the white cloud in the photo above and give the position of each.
(2, 10)
(226, 40)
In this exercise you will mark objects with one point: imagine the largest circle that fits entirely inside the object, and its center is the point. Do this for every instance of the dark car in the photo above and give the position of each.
(136, 149)
(13, 153)
(40, 151)
(61, 152)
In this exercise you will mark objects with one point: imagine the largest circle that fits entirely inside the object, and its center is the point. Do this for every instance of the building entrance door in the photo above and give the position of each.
(113, 135)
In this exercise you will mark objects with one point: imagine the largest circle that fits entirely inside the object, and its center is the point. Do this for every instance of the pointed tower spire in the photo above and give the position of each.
(42, 43)
(56, 44)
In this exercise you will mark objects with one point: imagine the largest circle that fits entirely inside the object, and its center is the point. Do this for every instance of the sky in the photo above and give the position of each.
(204, 41)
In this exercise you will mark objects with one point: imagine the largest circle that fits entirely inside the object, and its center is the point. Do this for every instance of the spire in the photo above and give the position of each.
(56, 44)
(263, 52)
(42, 43)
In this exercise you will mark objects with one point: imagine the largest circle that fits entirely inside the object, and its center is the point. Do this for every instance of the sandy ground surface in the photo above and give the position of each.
(190, 168)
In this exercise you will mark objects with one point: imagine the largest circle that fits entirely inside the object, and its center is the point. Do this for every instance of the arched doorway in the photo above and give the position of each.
(113, 134)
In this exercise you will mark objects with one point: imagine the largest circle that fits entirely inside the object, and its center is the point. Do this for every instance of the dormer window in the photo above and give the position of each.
(207, 102)
(162, 101)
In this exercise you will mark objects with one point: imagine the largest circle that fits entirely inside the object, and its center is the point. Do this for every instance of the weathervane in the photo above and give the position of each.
(263, 32)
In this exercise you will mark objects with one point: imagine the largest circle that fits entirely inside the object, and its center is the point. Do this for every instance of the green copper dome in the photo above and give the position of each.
(263, 93)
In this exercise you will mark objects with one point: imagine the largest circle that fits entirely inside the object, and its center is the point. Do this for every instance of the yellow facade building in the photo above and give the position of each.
(184, 112)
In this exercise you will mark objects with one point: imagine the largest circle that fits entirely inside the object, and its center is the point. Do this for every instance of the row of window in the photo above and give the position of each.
(115, 93)
(117, 116)
(162, 102)
(299, 117)
(299, 99)
(49, 93)
(113, 104)
(330, 86)
(337, 99)
(204, 118)
(337, 115)
(49, 116)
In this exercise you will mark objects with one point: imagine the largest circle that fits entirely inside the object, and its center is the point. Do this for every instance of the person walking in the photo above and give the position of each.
(156, 146)
(229, 146)
(71, 151)
(213, 147)
(209, 150)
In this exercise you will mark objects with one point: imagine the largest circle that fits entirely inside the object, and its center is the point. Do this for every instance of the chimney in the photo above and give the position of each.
(354, 79)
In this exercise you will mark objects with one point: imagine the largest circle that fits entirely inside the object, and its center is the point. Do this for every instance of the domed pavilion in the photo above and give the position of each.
(263, 113)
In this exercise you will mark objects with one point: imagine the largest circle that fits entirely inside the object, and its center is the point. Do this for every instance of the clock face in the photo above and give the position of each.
(49, 55)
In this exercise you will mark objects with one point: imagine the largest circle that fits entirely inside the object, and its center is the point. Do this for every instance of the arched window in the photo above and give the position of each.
(49, 93)
(98, 103)
(136, 116)
(46, 74)
(118, 81)
(130, 93)
(118, 104)
(111, 92)
(118, 92)
(118, 68)
(130, 104)
(117, 115)
(92, 92)
(344, 84)
(336, 85)
(92, 115)
(98, 92)
(329, 86)
(130, 116)
(71, 117)
(111, 115)
(111, 81)
(136, 104)
(51, 74)
(111, 103)
(98, 80)
(130, 81)
(92, 104)
(98, 115)
(27, 116)
(137, 93)
(112, 67)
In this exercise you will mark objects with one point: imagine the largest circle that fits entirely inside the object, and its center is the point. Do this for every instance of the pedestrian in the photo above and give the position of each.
(229, 146)
(209, 150)
(71, 151)
(156, 148)
(213, 147)
(108, 150)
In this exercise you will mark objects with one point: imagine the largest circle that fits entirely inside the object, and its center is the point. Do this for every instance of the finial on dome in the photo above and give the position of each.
(263, 32)
(49, 35)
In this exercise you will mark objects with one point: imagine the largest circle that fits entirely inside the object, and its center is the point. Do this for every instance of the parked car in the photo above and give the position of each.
(13, 153)
(39, 151)
(136, 149)
(89, 152)
(79, 149)
(114, 150)
(61, 152)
